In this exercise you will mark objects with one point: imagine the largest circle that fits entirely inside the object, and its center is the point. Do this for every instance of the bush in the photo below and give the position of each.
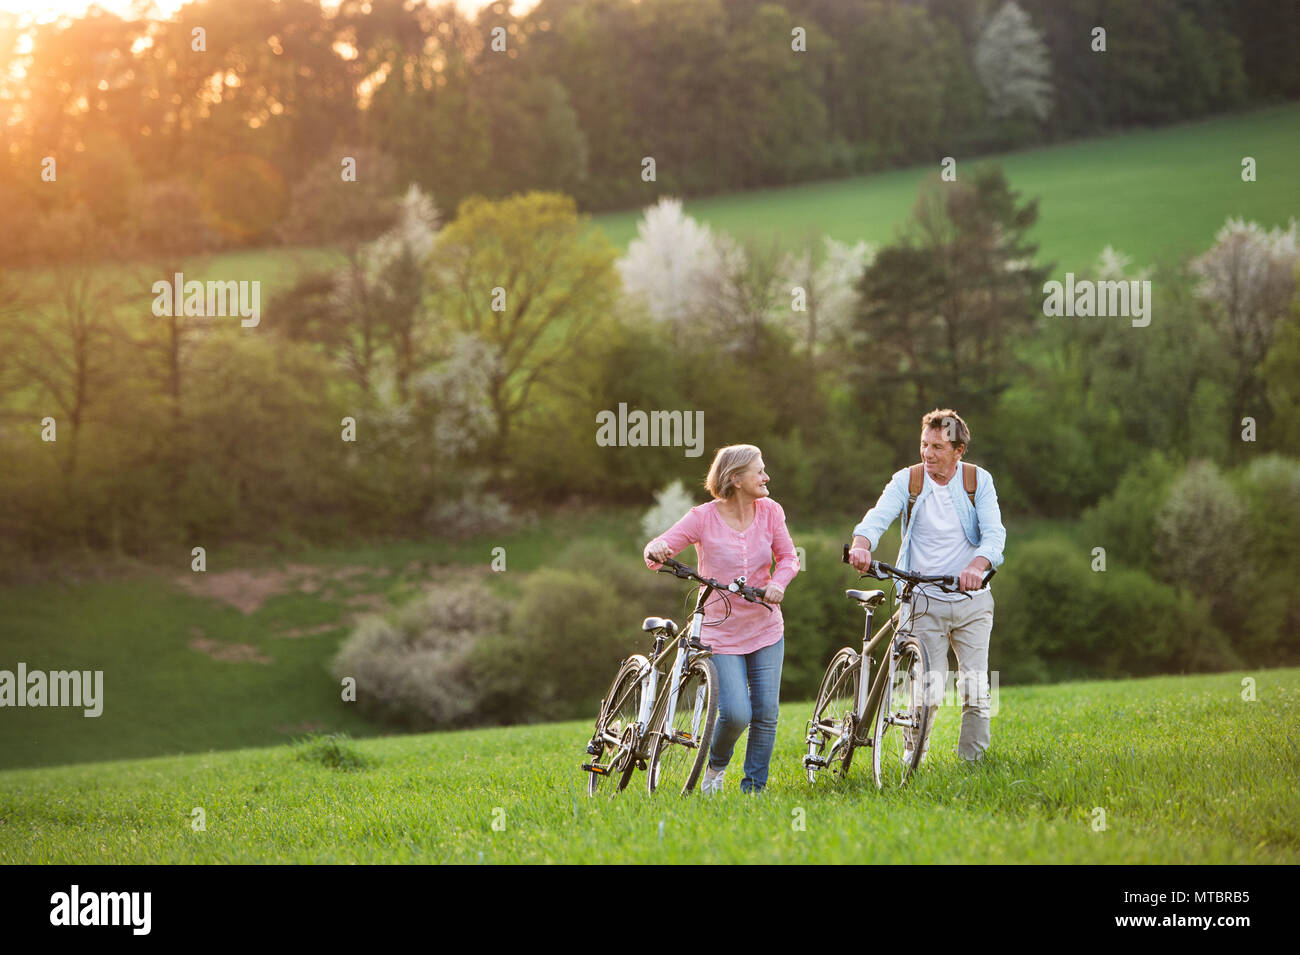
(1201, 529)
(1124, 523)
(671, 504)
(1059, 619)
(413, 666)
(567, 634)
(1267, 602)
(333, 750)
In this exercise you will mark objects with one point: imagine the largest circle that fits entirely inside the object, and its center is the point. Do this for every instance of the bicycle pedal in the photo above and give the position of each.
(593, 749)
(596, 768)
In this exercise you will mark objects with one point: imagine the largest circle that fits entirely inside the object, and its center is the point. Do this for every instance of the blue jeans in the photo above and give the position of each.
(749, 686)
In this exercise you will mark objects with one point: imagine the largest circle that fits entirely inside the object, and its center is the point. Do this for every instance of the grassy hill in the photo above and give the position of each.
(238, 655)
(1154, 194)
(1164, 770)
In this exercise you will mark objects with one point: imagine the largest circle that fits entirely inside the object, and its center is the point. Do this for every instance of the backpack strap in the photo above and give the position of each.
(916, 480)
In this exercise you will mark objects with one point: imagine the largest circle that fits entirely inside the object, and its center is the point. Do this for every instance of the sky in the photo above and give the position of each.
(43, 10)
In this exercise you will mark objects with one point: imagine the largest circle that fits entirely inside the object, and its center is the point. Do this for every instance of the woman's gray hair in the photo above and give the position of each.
(727, 463)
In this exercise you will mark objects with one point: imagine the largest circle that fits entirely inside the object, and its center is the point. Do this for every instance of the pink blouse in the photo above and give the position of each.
(725, 554)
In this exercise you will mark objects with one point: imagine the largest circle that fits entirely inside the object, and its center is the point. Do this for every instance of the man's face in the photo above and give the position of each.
(938, 454)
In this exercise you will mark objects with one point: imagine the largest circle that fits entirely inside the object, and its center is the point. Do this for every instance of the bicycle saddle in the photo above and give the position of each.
(660, 623)
(868, 598)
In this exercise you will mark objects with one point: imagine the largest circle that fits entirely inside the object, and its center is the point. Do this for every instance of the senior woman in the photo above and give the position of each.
(738, 533)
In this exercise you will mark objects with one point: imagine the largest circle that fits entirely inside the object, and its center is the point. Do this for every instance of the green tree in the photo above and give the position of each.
(941, 309)
(523, 275)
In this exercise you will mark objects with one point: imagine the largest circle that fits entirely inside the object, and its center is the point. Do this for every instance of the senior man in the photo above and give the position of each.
(952, 526)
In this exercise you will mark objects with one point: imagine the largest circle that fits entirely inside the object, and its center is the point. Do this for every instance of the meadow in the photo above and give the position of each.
(1156, 194)
(1177, 769)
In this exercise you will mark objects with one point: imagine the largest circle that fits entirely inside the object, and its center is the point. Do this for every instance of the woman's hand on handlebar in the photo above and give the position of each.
(658, 550)
(773, 593)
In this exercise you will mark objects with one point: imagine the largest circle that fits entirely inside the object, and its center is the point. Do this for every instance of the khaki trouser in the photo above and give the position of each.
(967, 624)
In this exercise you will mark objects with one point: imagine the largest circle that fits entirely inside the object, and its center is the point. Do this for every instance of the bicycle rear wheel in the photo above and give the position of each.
(834, 726)
(681, 750)
(615, 735)
(903, 717)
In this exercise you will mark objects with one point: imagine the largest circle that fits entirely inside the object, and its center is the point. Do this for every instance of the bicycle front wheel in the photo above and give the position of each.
(615, 735)
(903, 717)
(833, 727)
(682, 748)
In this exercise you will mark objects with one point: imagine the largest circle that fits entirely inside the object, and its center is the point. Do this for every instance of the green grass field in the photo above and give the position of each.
(1154, 194)
(1164, 770)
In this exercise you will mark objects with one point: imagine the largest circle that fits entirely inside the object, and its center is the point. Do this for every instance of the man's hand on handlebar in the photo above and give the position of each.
(972, 576)
(860, 554)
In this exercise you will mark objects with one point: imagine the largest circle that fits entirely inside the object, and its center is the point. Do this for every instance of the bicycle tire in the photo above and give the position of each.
(836, 699)
(618, 710)
(902, 707)
(673, 762)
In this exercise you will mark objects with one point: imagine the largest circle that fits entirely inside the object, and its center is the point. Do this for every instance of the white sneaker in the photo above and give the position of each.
(712, 780)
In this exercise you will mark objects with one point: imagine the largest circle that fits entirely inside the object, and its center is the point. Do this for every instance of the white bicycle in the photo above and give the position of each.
(669, 733)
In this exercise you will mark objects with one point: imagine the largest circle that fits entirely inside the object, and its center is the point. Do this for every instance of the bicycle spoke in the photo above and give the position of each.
(903, 719)
(680, 752)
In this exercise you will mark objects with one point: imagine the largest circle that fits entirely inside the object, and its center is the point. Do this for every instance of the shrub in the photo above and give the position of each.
(671, 504)
(1267, 603)
(413, 666)
(1059, 619)
(568, 632)
(1201, 529)
(1124, 523)
(333, 750)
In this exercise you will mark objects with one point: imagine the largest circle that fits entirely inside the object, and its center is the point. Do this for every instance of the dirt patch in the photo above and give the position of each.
(229, 652)
(308, 631)
(248, 590)
(245, 590)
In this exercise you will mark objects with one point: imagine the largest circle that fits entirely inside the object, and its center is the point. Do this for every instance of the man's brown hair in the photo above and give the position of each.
(950, 423)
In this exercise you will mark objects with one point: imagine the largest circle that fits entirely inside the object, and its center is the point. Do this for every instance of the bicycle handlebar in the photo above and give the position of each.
(882, 571)
(737, 586)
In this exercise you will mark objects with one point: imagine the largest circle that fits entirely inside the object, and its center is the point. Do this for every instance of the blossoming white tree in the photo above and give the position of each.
(1249, 277)
(830, 286)
(670, 504)
(670, 264)
(1012, 65)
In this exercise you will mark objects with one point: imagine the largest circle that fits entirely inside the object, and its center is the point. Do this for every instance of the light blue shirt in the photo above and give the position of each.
(982, 523)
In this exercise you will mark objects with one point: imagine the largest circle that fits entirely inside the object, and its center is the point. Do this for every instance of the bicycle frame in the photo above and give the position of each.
(869, 693)
(655, 710)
